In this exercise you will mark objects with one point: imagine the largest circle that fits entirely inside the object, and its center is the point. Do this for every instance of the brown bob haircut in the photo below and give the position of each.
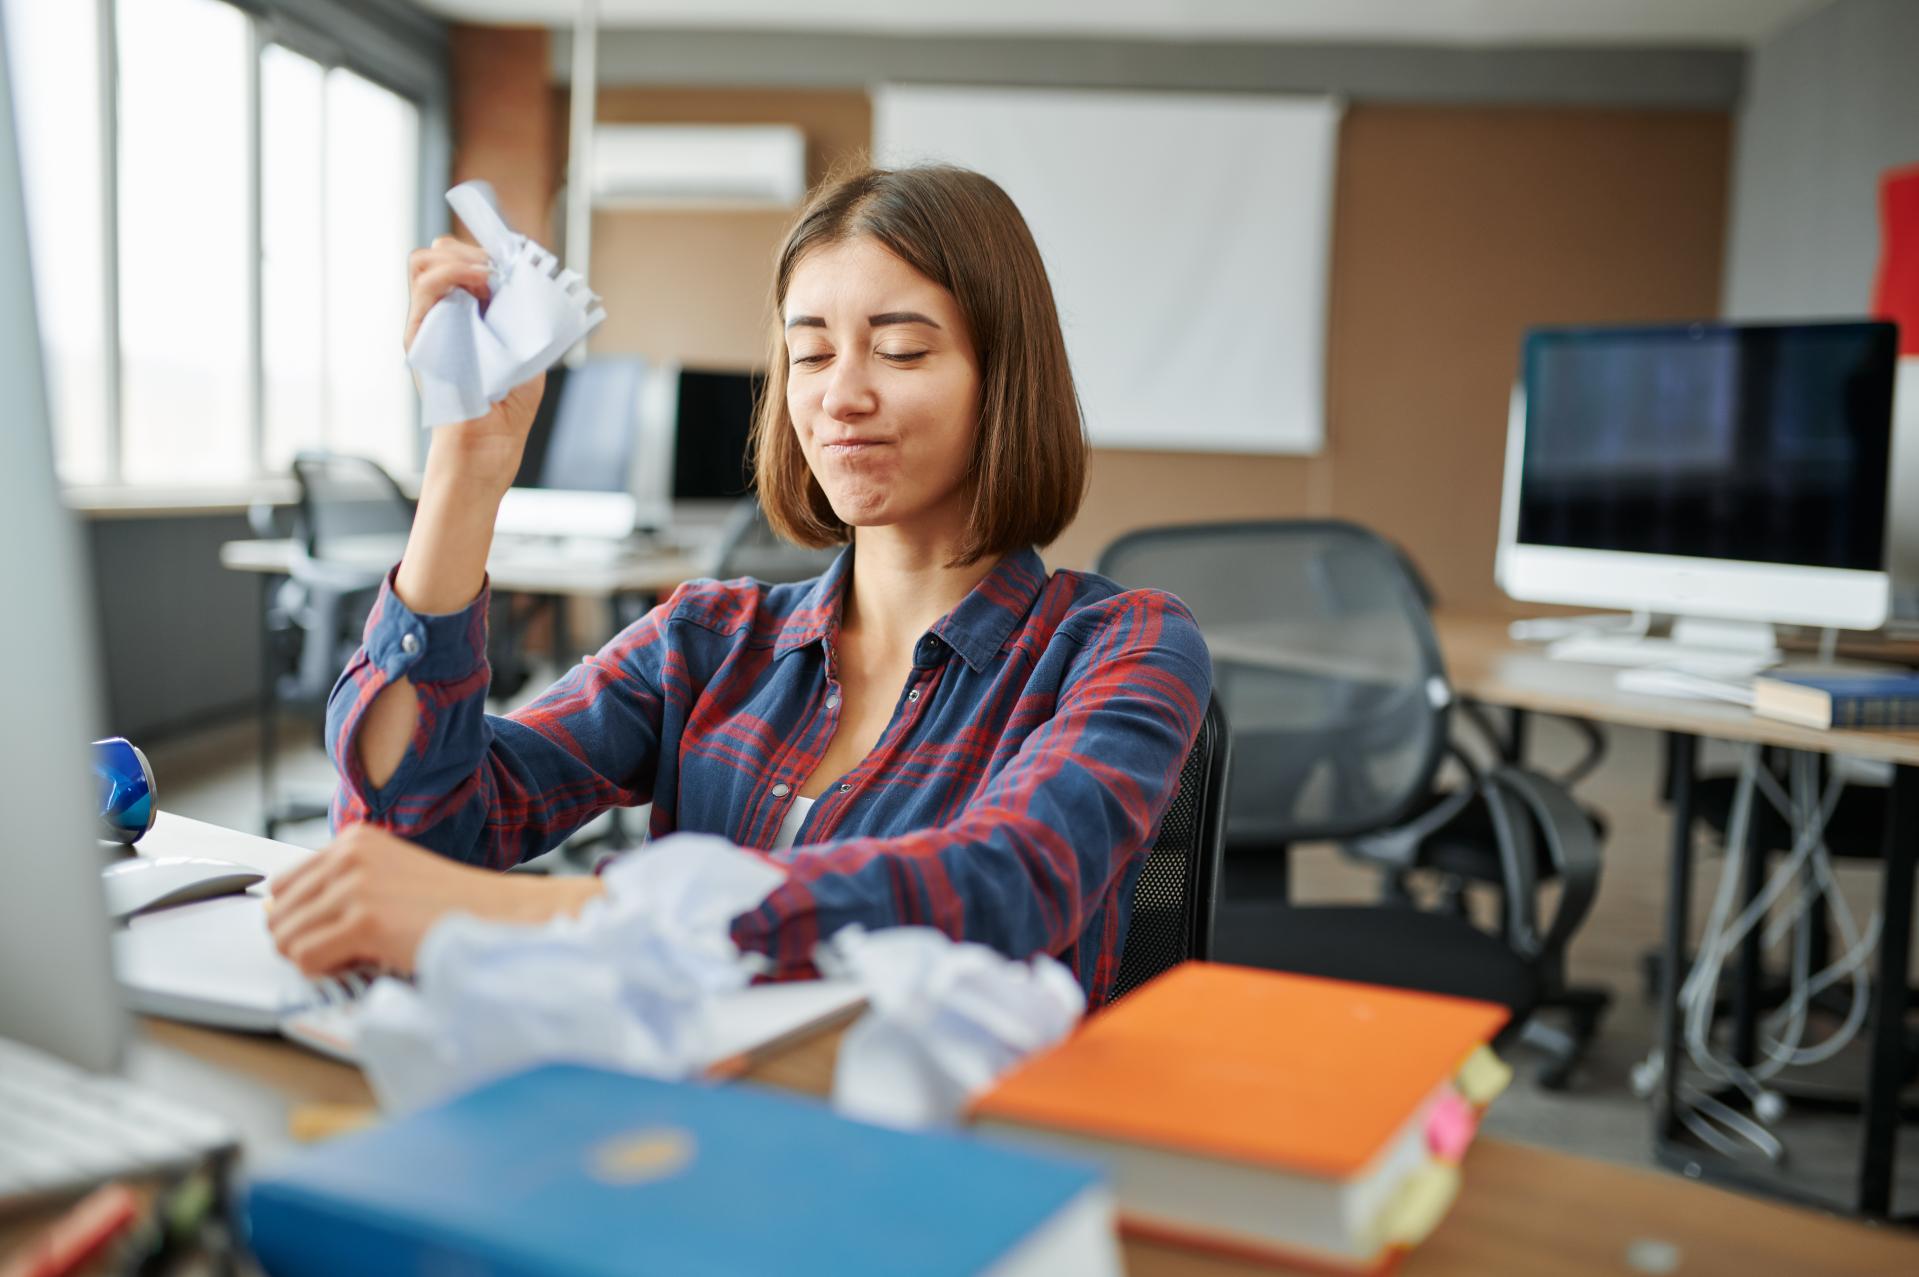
(959, 229)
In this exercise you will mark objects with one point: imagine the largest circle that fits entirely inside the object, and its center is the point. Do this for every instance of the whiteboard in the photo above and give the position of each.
(1187, 237)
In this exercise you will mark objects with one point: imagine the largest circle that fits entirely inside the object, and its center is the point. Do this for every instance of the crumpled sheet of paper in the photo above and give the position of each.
(945, 1019)
(467, 357)
(626, 984)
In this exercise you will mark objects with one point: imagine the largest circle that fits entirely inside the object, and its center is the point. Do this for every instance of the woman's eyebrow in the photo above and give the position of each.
(889, 318)
(886, 319)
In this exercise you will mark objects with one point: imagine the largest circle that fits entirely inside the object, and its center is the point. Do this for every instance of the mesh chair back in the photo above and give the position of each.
(351, 510)
(1325, 660)
(1177, 890)
(353, 525)
(596, 427)
(749, 547)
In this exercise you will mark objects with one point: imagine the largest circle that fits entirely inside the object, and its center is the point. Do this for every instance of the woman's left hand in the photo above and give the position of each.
(369, 898)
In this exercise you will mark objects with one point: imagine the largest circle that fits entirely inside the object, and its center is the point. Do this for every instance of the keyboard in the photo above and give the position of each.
(1623, 649)
(63, 1129)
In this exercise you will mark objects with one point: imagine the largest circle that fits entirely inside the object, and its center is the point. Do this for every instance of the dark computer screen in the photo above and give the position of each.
(1765, 443)
(714, 423)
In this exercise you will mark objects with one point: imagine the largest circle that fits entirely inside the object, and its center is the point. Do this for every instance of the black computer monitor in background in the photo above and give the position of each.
(713, 424)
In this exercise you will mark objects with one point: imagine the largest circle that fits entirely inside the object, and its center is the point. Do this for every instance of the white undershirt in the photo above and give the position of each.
(790, 827)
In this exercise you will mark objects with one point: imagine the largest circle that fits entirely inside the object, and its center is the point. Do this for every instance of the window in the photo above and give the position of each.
(250, 308)
(55, 64)
(372, 183)
(185, 184)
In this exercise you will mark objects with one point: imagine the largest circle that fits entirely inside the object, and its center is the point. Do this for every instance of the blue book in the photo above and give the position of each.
(1839, 700)
(567, 1171)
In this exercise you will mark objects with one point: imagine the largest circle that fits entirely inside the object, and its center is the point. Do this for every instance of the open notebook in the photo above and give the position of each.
(214, 963)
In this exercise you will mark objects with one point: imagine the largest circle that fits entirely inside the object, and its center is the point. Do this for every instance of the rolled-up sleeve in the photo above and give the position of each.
(483, 789)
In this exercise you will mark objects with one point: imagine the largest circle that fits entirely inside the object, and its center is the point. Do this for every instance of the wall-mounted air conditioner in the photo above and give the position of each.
(698, 164)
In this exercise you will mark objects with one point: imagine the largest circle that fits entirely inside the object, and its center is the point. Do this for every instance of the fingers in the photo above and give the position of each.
(343, 857)
(334, 911)
(333, 944)
(444, 249)
(441, 278)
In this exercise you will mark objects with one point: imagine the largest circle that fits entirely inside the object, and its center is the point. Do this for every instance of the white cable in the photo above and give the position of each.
(1808, 813)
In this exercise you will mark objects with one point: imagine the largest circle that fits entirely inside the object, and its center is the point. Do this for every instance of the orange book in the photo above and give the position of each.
(1258, 1111)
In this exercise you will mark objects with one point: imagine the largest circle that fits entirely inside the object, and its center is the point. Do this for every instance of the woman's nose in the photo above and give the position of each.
(849, 391)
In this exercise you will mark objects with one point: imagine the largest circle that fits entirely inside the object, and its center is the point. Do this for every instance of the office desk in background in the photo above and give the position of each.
(515, 566)
(1487, 666)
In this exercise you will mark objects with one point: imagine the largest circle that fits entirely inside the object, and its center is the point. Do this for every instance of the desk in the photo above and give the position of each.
(1522, 1210)
(515, 567)
(1487, 666)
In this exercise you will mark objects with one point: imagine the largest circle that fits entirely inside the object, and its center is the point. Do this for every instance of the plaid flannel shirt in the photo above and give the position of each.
(1010, 800)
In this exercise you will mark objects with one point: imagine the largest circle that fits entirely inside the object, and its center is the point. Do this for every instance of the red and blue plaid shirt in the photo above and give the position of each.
(1010, 800)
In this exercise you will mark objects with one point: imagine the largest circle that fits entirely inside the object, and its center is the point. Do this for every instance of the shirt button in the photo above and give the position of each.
(846, 789)
(833, 701)
(781, 791)
(913, 695)
(410, 643)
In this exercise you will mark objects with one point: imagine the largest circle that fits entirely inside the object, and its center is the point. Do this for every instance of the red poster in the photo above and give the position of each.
(1895, 293)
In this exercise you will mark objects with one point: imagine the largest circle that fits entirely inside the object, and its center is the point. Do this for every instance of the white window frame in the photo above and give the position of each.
(303, 27)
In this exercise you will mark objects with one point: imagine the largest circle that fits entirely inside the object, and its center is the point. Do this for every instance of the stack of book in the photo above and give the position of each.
(566, 1171)
(1839, 700)
(1279, 1117)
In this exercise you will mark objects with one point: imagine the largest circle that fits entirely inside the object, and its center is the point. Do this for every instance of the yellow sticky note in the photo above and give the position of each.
(1422, 1201)
(1483, 1076)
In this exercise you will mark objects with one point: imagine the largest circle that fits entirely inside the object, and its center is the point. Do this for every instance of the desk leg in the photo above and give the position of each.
(1748, 980)
(268, 709)
(1888, 1068)
(1681, 751)
(1517, 723)
(564, 657)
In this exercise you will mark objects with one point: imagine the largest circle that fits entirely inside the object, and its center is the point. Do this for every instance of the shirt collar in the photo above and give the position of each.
(977, 629)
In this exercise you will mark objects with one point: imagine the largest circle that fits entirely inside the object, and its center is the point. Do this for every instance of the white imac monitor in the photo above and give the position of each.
(1735, 472)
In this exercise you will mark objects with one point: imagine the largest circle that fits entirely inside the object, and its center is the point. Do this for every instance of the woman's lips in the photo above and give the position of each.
(849, 448)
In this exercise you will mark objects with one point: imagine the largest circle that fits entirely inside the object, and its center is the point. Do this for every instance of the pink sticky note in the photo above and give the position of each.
(1450, 1127)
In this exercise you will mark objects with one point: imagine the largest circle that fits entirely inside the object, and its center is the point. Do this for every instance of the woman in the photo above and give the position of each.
(935, 732)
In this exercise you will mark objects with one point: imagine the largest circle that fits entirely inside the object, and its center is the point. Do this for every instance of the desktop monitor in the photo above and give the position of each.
(1734, 472)
(712, 431)
(56, 978)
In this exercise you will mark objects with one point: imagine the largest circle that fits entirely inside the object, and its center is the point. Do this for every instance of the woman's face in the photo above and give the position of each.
(883, 387)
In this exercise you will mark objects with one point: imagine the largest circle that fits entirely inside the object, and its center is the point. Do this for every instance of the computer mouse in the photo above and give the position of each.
(154, 882)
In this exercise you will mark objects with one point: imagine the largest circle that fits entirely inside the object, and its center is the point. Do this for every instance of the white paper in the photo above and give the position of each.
(466, 359)
(946, 1019)
(631, 983)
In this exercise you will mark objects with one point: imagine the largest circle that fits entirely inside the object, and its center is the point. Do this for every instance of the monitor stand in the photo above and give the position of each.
(1709, 648)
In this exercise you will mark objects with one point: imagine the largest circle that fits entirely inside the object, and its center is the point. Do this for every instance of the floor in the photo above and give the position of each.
(212, 776)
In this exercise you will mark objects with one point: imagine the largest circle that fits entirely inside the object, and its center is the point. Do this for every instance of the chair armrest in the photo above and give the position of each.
(1589, 733)
(1571, 844)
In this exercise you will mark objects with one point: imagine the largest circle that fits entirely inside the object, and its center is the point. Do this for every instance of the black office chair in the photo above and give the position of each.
(352, 520)
(748, 546)
(1176, 894)
(1326, 663)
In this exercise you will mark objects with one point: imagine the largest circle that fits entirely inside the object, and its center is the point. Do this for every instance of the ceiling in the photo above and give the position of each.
(1735, 23)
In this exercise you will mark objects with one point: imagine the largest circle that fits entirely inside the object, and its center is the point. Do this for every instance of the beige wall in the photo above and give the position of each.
(1457, 228)
(503, 125)
(1454, 228)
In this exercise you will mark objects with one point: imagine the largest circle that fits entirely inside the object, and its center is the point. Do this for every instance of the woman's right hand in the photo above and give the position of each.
(483, 453)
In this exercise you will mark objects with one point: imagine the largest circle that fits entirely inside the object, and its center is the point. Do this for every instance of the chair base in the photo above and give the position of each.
(1565, 1046)
(1400, 948)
